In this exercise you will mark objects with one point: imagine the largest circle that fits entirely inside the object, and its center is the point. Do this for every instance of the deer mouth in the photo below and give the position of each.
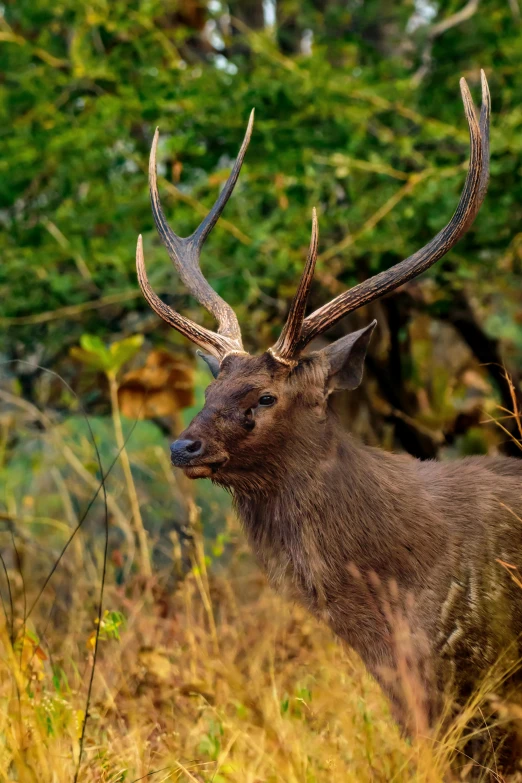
(204, 469)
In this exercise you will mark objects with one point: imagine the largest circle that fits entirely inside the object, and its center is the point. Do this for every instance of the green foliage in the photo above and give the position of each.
(210, 743)
(112, 624)
(297, 705)
(110, 359)
(342, 122)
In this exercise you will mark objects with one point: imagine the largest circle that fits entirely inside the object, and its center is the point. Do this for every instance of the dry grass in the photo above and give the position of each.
(215, 682)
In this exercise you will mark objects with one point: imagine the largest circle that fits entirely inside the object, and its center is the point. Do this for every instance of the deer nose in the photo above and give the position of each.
(182, 451)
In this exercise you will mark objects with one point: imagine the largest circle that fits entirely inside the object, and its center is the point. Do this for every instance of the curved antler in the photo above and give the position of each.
(471, 199)
(185, 253)
(216, 344)
(285, 347)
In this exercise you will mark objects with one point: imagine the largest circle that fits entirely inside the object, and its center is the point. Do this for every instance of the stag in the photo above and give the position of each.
(338, 525)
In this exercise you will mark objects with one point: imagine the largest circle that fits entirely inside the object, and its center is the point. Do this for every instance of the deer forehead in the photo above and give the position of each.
(243, 377)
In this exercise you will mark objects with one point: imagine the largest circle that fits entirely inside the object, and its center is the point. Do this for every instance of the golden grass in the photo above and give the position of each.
(217, 682)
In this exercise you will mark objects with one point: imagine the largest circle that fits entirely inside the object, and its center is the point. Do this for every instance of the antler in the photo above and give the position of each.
(296, 336)
(285, 347)
(184, 253)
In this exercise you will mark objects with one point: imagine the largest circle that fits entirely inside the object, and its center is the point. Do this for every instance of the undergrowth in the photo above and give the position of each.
(200, 673)
(216, 681)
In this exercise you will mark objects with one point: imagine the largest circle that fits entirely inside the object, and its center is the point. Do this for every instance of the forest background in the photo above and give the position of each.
(358, 113)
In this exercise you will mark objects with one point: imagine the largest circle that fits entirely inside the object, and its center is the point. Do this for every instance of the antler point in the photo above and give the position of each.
(249, 126)
(469, 107)
(315, 224)
(485, 87)
(154, 145)
(464, 87)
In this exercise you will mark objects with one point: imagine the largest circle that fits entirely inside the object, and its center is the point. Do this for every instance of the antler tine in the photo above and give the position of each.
(215, 344)
(185, 252)
(289, 338)
(485, 114)
(206, 226)
(470, 201)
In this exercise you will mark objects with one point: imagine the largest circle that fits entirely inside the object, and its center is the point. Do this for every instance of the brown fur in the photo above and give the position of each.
(337, 525)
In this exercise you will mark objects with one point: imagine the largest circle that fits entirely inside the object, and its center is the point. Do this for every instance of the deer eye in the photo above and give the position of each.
(266, 400)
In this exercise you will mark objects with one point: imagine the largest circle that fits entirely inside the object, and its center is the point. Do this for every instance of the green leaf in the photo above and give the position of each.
(95, 347)
(91, 342)
(94, 353)
(124, 350)
(88, 358)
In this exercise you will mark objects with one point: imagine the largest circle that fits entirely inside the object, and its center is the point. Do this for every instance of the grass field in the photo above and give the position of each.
(217, 681)
(210, 677)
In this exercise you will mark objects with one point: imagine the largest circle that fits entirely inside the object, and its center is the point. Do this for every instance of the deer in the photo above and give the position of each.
(337, 525)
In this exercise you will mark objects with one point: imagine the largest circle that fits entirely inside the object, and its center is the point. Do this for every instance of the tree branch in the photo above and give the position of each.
(438, 29)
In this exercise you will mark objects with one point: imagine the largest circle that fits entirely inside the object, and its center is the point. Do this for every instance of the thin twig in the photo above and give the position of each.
(62, 240)
(413, 181)
(127, 471)
(79, 468)
(11, 633)
(19, 564)
(98, 628)
(70, 310)
(438, 29)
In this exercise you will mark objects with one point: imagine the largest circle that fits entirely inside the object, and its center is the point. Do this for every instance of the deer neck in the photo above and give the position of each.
(342, 512)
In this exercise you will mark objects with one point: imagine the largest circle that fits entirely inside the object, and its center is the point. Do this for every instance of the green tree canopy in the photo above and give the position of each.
(358, 113)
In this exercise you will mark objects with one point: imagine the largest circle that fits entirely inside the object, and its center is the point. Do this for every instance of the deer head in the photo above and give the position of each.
(262, 411)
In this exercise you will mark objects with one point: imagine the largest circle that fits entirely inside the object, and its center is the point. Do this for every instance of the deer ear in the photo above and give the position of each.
(346, 357)
(211, 361)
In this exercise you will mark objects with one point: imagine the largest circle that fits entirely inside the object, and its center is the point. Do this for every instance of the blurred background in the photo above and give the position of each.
(358, 113)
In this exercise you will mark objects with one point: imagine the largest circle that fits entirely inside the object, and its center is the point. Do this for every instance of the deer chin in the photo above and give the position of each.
(198, 471)
(205, 470)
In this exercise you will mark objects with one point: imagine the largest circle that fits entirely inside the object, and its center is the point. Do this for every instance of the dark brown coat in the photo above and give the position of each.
(361, 536)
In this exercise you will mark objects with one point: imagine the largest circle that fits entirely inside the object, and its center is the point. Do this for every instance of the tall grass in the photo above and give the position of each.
(209, 678)
(218, 681)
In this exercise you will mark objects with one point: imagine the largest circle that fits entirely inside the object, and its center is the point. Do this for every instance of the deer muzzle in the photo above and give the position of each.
(191, 456)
